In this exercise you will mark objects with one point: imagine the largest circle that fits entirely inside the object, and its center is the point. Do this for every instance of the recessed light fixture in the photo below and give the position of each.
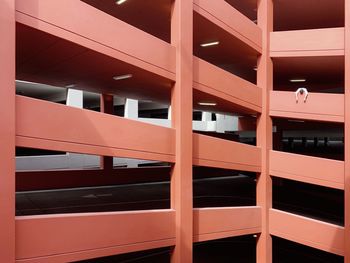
(119, 2)
(120, 77)
(207, 103)
(255, 68)
(208, 44)
(297, 80)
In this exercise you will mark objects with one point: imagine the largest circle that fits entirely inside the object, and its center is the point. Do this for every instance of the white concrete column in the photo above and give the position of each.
(226, 123)
(169, 113)
(131, 109)
(206, 116)
(75, 98)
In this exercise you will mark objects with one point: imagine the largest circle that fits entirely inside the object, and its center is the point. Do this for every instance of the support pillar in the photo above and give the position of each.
(7, 131)
(347, 135)
(264, 131)
(131, 109)
(75, 98)
(181, 108)
(106, 106)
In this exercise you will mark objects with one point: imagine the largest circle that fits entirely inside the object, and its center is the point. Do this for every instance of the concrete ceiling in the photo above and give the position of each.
(298, 14)
(49, 60)
(322, 74)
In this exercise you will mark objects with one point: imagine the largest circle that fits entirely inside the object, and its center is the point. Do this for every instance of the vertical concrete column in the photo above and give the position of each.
(264, 131)
(7, 131)
(277, 139)
(226, 123)
(181, 108)
(75, 98)
(220, 123)
(347, 133)
(131, 109)
(169, 113)
(206, 116)
(106, 106)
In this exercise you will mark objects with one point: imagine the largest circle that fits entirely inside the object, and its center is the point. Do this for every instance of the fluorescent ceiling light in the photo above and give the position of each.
(297, 80)
(70, 86)
(120, 77)
(207, 103)
(119, 2)
(210, 44)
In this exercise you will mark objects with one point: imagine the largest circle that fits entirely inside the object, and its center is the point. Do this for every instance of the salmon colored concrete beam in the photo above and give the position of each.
(264, 132)
(317, 107)
(95, 29)
(7, 131)
(302, 43)
(47, 125)
(347, 134)
(306, 231)
(213, 152)
(220, 83)
(97, 253)
(313, 170)
(228, 18)
(181, 184)
(57, 238)
(216, 223)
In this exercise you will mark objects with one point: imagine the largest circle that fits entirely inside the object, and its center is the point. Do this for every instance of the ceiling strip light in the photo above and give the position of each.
(297, 80)
(119, 2)
(207, 103)
(126, 76)
(210, 44)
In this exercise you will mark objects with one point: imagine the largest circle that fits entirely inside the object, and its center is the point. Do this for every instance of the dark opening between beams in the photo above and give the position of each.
(236, 249)
(159, 255)
(285, 251)
(319, 139)
(317, 202)
(212, 188)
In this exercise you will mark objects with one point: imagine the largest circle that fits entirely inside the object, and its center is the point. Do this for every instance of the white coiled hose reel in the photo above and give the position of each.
(301, 91)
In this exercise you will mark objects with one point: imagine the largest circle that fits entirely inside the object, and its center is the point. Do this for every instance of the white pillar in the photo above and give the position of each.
(220, 123)
(131, 109)
(169, 113)
(75, 98)
(206, 116)
(226, 123)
